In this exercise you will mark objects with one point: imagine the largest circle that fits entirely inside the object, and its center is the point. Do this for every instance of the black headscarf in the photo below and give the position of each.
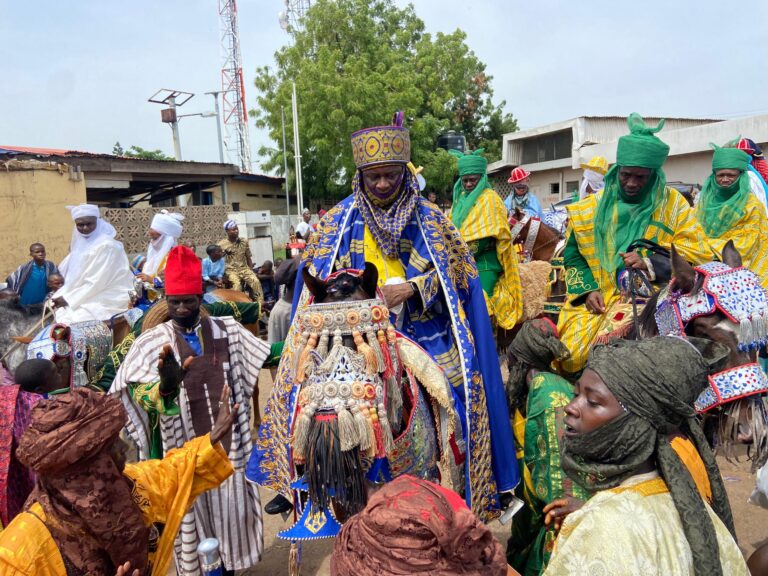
(531, 348)
(656, 381)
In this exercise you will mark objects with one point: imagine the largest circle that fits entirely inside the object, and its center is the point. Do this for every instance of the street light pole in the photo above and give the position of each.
(221, 144)
(297, 154)
(175, 129)
(285, 167)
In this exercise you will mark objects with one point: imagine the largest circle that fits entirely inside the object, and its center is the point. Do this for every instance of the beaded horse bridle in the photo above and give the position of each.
(739, 296)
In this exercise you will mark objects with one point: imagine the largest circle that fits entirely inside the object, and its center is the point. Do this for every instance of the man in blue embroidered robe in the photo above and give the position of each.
(424, 265)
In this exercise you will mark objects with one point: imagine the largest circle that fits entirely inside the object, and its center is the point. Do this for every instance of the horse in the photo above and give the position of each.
(541, 243)
(373, 404)
(725, 303)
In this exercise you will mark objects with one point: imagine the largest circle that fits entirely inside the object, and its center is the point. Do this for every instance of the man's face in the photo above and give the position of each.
(593, 405)
(184, 309)
(153, 234)
(632, 179)
(470, 181)
(307, 216)
(383, 182)
(521, 188)
(86, 224)
(233, 233)
(217, 255)
(432, 197)
(37, 251)
(727, 176)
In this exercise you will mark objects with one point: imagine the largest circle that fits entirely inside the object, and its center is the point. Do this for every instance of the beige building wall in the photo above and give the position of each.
(252, 196)
(33, 200)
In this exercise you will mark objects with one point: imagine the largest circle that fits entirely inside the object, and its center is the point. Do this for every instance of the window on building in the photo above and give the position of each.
(554, 189)
(235, 206)
(555, 146)
(571, 187)
(202, 198)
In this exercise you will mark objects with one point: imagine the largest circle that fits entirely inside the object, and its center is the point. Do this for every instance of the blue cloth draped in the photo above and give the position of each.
(532, 208)
(450, 321)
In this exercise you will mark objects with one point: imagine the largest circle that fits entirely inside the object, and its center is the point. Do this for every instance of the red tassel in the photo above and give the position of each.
(389, 370)
(380, 452)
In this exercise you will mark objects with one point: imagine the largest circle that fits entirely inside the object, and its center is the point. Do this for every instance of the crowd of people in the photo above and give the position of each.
(388, 396)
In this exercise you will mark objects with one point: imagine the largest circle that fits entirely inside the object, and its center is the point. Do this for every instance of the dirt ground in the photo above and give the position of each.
(751, 521)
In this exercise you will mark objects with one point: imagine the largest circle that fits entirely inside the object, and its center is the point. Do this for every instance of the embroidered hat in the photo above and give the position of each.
(382, 144)
(183, 272)
(749, 147)
(518, 174)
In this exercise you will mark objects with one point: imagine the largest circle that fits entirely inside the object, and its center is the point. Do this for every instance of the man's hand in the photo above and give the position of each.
(60, 302)
(144, 277)
(395, 294)
(595, 303)
(125, 570)
(557, 510)
(171, 374)
(633, 260)
(226, 417)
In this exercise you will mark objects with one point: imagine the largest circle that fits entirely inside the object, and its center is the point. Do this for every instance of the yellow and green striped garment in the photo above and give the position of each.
(673, 222)
(488, 219)
(750, 236)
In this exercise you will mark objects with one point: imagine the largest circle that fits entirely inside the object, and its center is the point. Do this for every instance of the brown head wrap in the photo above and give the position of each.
(87, 501)
(412, 526)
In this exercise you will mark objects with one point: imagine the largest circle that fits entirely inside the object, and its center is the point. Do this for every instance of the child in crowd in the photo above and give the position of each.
(55, 281)
(30, 280)
(213, 268)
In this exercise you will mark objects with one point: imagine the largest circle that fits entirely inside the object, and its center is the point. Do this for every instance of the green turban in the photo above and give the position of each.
(472, 163)
(720, 208)
(641, 147)
(463, 201)
(730, 158)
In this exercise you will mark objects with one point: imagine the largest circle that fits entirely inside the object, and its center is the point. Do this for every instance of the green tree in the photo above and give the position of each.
(355, 62)
(139, 152)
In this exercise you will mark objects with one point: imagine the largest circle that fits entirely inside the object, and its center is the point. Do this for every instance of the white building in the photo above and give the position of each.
(555, 152)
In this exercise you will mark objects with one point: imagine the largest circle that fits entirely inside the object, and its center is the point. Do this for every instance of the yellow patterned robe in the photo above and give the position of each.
(634, 529)
(750, 236)
(163, 490)
(488, 219)
(673, 222)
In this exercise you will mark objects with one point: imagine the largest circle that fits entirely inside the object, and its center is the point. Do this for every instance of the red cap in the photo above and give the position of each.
(183, 272)
(518, 174)
(746, 145)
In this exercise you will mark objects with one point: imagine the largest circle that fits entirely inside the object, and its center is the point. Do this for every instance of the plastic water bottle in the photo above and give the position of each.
(208, 550)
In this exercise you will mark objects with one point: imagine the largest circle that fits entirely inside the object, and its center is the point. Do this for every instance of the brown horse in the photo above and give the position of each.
(539, 241)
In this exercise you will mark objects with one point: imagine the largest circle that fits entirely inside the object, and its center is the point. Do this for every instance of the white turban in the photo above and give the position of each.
(594, 180)
(167, 223)
(83, 211)
(230, 224)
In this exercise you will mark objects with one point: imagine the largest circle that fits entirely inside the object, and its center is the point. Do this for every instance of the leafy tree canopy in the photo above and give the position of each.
(355, 63)
(139, 152)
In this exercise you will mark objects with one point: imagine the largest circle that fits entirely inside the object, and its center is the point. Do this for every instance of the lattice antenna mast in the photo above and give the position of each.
(294, 12)
(235, 113)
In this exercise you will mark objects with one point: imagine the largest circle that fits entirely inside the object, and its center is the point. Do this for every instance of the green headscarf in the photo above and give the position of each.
(463, 201)
(619, 219)
(720, 208)
(656, 381)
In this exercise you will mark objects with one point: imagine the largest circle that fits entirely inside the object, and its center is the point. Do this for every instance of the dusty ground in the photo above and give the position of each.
(751, 521)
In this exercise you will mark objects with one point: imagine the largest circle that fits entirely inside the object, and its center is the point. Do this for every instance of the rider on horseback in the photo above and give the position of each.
(481, 217)
(635, 204)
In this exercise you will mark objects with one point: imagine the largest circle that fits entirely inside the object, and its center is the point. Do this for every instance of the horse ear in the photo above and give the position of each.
(519, 214)
(316, 286)
(370, 279)
(682, 272)
(731, 255)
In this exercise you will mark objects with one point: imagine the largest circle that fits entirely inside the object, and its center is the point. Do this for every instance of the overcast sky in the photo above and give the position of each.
(76, 74)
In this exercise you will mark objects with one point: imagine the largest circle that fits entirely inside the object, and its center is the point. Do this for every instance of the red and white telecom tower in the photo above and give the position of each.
(234, 111)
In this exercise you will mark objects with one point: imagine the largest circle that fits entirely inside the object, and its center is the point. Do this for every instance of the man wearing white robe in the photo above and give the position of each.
(97, 276)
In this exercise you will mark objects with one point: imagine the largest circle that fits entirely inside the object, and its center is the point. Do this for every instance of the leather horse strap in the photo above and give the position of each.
(533, 233)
